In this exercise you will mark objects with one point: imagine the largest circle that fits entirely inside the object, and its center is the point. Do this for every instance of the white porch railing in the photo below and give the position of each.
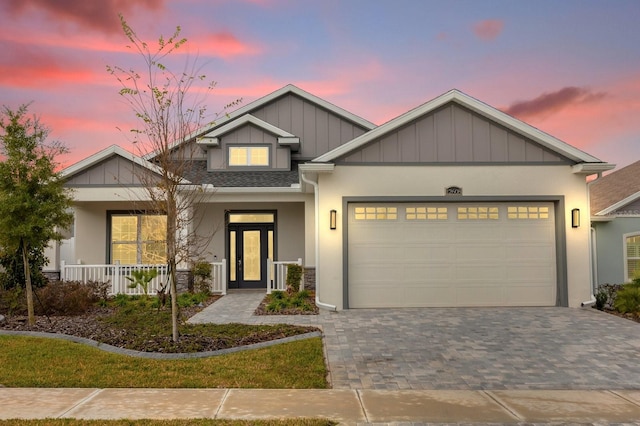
(115, 274)
(278, 274)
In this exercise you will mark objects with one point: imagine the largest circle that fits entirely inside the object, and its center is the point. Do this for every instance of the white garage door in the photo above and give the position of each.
(424, 255)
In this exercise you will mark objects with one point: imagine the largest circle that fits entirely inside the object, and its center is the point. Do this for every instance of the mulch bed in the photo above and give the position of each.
(262, 308)
(90, 326)
(629, 316)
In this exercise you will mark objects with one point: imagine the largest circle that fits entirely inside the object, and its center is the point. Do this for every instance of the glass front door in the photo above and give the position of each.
(250, 245)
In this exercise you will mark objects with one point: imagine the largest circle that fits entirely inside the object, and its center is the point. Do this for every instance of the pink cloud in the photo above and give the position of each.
(28, 66)
(551, 102)
(488, 29)
(223, 45)
(597, 123)
(93, 15)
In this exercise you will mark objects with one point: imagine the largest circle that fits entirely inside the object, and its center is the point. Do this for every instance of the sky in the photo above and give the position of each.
(571, 68)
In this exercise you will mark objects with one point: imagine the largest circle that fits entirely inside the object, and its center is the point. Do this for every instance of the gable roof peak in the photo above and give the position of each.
(475, 105)
(288, 89)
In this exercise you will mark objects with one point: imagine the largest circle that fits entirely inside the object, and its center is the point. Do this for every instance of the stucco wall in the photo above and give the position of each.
(610, 248)
(290, 227)
(411, 181)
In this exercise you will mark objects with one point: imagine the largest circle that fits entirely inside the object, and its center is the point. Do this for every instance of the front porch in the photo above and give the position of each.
(116, 275)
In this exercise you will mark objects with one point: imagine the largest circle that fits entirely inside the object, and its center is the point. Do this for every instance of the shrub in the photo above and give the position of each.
(294, 276)
(628, 298)
(13, 301)
(12, 275)
(142, 278)
(279, 301)
(601, 299)
(186, 300)
(610, 291)
(201, 271)
(67, 298)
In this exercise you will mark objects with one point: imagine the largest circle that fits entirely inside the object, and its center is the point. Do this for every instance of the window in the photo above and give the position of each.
(477, 213)
(527, 212)
(426, 213)
(632, 256)
(376, 213)
(138, 238)
(248, 156)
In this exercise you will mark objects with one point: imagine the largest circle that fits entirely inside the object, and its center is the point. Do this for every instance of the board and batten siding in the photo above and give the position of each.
(115, 170)
(319, 130)
(452, 134)
(246, 136)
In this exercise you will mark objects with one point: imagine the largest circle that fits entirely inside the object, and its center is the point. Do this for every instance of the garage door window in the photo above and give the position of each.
(426, 213)
(527, 212)
(376, 213)
(478, 213)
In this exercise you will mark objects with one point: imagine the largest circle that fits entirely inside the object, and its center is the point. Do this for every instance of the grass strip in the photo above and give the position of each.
(42, 362)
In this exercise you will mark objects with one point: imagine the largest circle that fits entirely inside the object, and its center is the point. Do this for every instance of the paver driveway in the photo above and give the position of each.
(465, 348)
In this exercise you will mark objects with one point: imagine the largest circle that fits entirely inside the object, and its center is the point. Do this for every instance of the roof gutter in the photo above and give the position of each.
(316, 191)
(596, 169)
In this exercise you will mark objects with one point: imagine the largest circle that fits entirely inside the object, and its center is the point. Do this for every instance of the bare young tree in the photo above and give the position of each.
(169, 107)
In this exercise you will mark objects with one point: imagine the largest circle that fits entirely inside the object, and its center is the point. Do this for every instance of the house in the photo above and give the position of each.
(453, 203)
(615, 223)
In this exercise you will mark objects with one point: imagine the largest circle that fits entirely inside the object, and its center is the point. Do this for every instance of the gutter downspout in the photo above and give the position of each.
(592, 264)
(317, 242)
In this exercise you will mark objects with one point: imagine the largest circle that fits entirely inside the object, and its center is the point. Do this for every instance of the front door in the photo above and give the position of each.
(250, 244)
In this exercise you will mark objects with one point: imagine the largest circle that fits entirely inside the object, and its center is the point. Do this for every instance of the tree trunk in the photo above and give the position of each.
(172, 225)
(174, 301)
(27, 279)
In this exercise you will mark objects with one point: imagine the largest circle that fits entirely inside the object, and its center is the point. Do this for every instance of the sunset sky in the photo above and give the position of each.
(570, 68)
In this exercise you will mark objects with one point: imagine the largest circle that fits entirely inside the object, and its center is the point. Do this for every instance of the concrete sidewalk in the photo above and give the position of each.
(346, 406)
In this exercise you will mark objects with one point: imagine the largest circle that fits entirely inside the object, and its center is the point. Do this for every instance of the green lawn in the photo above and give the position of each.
(43, 362)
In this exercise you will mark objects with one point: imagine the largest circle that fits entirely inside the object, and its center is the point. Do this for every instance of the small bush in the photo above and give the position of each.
(12, 273)
(142, 278)
(13, 301)
(279, 301)
(601, 299)
(628, 298)
(201, 271)
(66, 298)
(294, 276)
(186, 300)
(610, 291)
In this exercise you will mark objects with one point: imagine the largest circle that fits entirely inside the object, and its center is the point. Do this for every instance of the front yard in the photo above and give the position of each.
(137, 323)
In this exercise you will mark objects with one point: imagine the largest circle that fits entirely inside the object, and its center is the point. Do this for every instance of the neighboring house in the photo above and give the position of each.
(453, 203)
(615, 222)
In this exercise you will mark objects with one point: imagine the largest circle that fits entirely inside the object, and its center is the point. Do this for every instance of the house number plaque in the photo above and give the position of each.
(453, 190)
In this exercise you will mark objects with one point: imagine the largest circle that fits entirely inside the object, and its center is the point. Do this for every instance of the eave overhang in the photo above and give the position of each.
(591, 168)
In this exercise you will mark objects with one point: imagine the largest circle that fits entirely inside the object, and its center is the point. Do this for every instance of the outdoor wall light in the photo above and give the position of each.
(575, 218)
(333, 219)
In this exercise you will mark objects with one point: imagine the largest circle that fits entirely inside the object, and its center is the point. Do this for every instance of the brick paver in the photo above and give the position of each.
(463, 348)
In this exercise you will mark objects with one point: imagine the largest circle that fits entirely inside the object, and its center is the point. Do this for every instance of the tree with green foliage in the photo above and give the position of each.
(34, 203)
(169, 106)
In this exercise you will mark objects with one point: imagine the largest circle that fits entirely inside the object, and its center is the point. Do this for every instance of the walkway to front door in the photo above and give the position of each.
(462, 348)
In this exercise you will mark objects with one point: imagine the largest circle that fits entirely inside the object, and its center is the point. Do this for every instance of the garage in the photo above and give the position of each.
(451, 254)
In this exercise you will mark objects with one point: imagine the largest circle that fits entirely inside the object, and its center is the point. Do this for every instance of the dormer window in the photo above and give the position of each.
(248, 156)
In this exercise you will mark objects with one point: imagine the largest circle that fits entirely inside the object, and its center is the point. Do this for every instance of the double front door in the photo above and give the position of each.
(250, 244)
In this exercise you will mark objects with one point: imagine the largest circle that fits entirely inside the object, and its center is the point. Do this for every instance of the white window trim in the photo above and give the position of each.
(626, 258)
(139, 242)
(249, 148)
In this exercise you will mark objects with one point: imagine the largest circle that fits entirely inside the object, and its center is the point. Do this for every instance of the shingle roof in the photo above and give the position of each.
(198, 175)
(615, 187)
